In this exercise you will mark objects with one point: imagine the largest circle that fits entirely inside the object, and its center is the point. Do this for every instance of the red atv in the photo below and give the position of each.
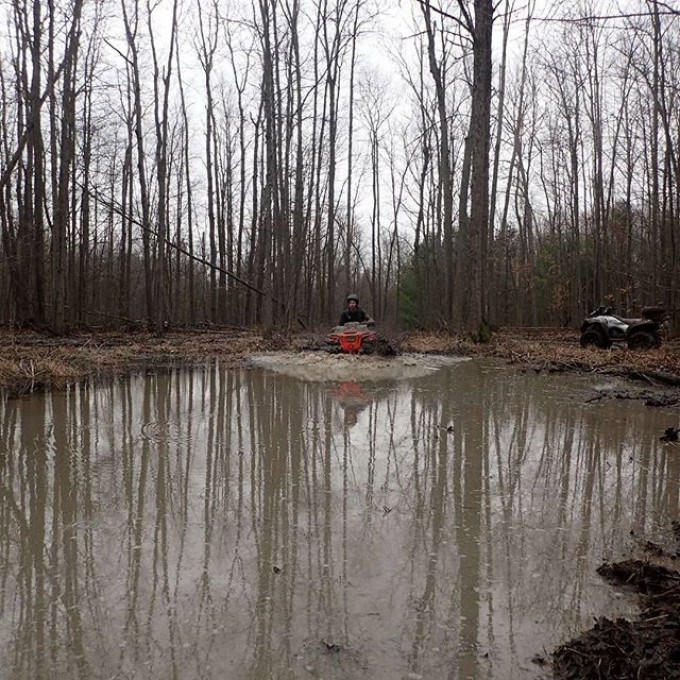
(352, 338)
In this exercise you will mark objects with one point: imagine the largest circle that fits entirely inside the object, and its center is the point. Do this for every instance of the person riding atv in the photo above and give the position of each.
(355, 332)
(354, 313)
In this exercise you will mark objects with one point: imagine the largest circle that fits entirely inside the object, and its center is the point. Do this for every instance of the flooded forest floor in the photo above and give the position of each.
(647, 647)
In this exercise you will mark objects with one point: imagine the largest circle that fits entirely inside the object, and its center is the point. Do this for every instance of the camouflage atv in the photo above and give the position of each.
(603, 327)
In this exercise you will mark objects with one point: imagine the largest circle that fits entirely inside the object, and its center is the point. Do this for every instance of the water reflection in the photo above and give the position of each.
(353, 399)
(212, 523)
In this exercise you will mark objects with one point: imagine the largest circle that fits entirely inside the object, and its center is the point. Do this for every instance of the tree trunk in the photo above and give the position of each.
(480, 133)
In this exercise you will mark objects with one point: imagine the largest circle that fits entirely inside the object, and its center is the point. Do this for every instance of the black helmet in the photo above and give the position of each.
(353, 296)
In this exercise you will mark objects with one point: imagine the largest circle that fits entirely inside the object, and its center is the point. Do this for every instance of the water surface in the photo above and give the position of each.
(246, 524)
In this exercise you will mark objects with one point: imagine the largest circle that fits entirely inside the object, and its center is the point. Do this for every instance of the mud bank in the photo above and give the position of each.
(646, 647)
(30, 361)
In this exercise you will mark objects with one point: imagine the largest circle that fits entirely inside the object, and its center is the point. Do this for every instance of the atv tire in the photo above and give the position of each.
(644, 339)
(595, 336)
(386, 347)
(367, 347)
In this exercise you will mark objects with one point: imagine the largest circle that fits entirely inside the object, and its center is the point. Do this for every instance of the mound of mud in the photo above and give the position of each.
(319, 366)
(648, 647)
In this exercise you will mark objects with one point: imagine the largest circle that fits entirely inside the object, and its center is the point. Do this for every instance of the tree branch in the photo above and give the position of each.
(94, 193)
(458, 20)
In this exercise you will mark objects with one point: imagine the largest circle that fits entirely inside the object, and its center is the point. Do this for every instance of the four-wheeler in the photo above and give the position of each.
(352, 338)
(603, 327)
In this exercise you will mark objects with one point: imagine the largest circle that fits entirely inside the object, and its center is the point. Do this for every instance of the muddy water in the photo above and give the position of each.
(248, 524)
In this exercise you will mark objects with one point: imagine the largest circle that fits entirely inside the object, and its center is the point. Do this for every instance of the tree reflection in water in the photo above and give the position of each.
(217, 523)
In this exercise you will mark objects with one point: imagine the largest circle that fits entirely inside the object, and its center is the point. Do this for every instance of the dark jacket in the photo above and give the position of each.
(358, 315)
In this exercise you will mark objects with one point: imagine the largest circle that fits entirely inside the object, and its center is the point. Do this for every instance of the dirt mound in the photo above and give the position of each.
(646, 578)
(645, 648)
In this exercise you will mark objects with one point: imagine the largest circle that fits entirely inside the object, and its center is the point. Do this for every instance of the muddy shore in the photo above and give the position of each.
(30, 361)
(648, 647)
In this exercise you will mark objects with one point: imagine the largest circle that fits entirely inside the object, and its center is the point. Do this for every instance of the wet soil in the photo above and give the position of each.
(30, 361)
(648, 647)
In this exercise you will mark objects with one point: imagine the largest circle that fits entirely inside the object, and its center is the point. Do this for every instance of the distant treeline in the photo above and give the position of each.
(189, 162)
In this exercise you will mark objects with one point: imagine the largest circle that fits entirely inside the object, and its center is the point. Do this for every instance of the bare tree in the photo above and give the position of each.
(480, 137)
(162, 125)
(187, 174)
(131, 24)
(438, 71)
(206, 48)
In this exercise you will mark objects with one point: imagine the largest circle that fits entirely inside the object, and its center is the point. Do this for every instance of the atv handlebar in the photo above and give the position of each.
(657, 314)
(603, 311)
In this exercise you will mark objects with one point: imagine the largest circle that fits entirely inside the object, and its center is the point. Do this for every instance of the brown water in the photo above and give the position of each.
(247, 524)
